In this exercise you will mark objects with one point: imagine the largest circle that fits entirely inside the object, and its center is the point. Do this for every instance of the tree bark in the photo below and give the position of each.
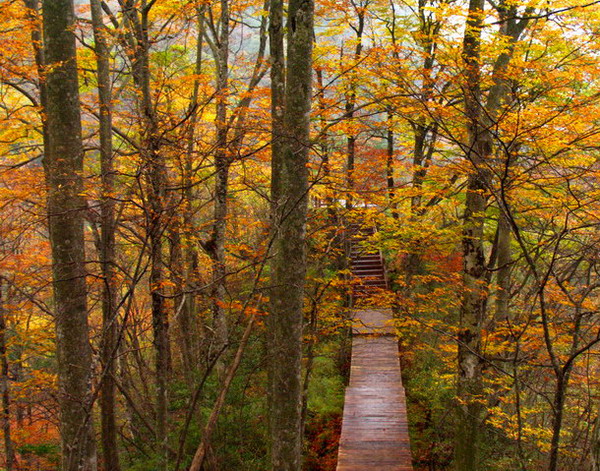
(389, 167)
(108, 345)
(181, 295)
(156, 225)
(290, 196)
(9, 451)
(472, 310)
(190, 247)
(481, 117)
(63, 163)
(38, 52)
(558, 407)
(504, 266)
(595, 449)
(155, 175)
(222, 165)
(351, 109)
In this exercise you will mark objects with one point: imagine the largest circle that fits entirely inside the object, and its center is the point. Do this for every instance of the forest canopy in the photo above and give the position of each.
(185, 186)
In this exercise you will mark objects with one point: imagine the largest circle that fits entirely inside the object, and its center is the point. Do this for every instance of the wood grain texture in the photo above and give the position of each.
(374, 428)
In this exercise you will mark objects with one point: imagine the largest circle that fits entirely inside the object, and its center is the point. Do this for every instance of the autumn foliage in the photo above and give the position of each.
(419, 108)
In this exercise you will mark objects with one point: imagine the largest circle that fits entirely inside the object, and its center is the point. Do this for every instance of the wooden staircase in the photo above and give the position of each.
(366, 265)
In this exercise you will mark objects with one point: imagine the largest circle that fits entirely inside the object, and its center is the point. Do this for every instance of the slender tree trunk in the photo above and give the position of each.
(595, 448)
(422, 152)
(558, 407)
(180, 297)
(33, 7)
(18, 377)
(422, 155)
(412, 265)
(9, 451)
(222, 164)
(389, 167)
(204, 446)
(186, 318)
(504, 267)
(419, 167)
(563, 376)
(350, 165)
(108, 352)
(160, 322)
(155, 175)
(350, 110)
(288, 265)
(63, 163)
(324, 145)
(472, 311)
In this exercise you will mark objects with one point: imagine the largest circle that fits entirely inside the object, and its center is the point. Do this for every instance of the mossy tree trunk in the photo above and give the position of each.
(9, 449)
(291, 92)
(63, 164)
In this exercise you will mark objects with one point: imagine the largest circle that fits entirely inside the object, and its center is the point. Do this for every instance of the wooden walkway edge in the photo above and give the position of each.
(374, 427)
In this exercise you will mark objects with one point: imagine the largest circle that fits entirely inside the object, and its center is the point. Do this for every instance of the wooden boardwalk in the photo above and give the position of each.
(374, 428)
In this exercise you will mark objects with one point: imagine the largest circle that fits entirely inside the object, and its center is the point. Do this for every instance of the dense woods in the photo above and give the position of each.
(181, 183)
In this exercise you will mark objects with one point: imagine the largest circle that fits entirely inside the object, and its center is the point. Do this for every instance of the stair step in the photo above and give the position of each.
(367, 293)
(373, 283)
(359, 255)
(370, 268)
(369, 273)
(366, 261)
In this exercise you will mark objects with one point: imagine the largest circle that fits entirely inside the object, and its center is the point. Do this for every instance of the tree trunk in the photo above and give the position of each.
(290, 196)
(389, 167)
(40, 61)
(160, 322)
(276, 45)
(186, 318)
(222, 164)
(481, 117)
(473, 304)
(350, 164)
(324, 146)
(558, 406)
(504, 267)
(350, 110)
(9, 451)
(204, 446)
(18, 377)
(108, 345)
(63, 163)
(155, 175)
(422, 129)
(595, 451)
(180, 295)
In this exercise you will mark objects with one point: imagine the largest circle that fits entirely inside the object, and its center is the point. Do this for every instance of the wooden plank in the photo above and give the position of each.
(374, 427)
